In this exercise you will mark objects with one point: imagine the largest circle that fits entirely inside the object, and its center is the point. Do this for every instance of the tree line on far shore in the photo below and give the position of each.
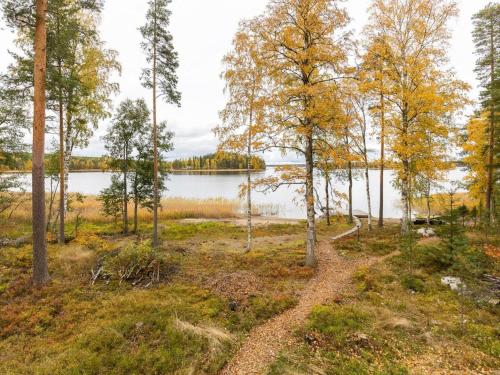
(21, 162)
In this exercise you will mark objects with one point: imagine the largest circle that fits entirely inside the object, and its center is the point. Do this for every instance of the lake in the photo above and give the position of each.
(285, 202)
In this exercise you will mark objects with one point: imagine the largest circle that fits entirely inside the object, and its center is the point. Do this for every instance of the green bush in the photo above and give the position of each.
(434, 258)
(413, 283)
(336, 323)
(265, 308)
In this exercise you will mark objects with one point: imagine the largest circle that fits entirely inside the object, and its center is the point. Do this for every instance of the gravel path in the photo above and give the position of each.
(265, 342)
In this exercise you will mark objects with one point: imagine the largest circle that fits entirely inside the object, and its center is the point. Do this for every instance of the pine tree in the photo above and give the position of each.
(40, 264)
(487, 40)
(160, 76)
(130, 118)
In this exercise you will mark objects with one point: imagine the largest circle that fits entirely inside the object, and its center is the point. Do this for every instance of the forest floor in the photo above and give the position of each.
(357, 313)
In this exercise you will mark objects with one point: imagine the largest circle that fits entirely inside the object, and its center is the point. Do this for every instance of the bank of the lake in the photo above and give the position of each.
(285, 202)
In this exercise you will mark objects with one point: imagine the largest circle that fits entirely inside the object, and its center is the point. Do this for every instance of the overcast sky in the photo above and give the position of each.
(202, 32)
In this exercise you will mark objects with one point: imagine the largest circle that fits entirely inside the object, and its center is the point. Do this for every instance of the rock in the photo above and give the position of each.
(494, 301)
(360, 339)
(310, 339)
(426, 232)
(233, 305)
(455, 283)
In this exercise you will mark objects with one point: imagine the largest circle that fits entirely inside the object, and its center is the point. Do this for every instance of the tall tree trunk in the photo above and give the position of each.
(491, 144)
(405, 200)
(125, 191)
(136, 209)
(327, 195)
(249, 185)
(382, 161)
(368, 197)
(428, 201)
(311, 224)
(349, 171)
(40, 266)
(155, 140)
(136, 204)
(62, 239)
(68, 146)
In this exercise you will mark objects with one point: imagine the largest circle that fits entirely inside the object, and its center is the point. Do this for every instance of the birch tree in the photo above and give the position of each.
(241, 129)
(421, 92)
(160, 77)
(359, 104)
(303, 48)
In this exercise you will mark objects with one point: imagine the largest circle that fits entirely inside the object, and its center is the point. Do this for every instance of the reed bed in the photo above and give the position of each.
(171, 209)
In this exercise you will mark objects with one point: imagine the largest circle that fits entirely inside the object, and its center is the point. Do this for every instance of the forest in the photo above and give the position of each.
(137, 280)
(219, 161)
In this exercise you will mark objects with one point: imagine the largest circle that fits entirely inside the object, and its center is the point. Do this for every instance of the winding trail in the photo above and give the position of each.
(265, 342)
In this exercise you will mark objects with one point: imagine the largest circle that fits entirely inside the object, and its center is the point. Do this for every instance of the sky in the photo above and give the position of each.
(202, 32)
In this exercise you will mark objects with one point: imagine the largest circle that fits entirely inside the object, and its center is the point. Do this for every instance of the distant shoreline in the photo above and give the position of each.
(170, 171)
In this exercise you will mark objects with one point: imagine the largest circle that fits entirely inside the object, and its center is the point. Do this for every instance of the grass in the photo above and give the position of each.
(210, 293)
(392, 322)
(171, 209)
(183, 323)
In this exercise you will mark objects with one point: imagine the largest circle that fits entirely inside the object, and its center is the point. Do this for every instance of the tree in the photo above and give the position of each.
(78, 71)
(410, 38)
(373, 84)
(160, 76)
(303, 52)
(487, 41)
(241, 129)
(112, 199)
(476, 156)
(142, 178)
(40, 265)
(14, 121)
(358, 103)
(130, 119)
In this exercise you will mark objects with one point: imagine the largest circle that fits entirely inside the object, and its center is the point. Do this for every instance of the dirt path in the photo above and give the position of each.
(265, 342)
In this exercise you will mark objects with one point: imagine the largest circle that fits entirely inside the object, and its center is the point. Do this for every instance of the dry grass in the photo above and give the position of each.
(171, 209)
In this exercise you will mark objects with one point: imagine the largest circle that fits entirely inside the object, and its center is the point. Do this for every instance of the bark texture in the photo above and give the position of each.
(40, 266)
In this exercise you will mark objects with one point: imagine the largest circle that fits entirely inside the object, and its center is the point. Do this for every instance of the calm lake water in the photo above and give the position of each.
(285, 202)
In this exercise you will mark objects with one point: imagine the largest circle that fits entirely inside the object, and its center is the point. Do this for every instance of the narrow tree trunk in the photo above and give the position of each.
(249, 185)
(40, 266)
(368, 197)
(327, 195)
(382, 162)
(428, 200)
(349, 171)
(68, 146)
(155, 143)
(62, 239)
(125, 192)
(491, 144)
(136, 204)
(311, 224)
(53, 193)
(136, 210)
(405, 200)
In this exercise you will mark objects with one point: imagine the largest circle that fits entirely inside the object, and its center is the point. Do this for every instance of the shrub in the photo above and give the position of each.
(434, 258)
(266, 307)
(138, 264)
(336, 323)
(413, 283)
